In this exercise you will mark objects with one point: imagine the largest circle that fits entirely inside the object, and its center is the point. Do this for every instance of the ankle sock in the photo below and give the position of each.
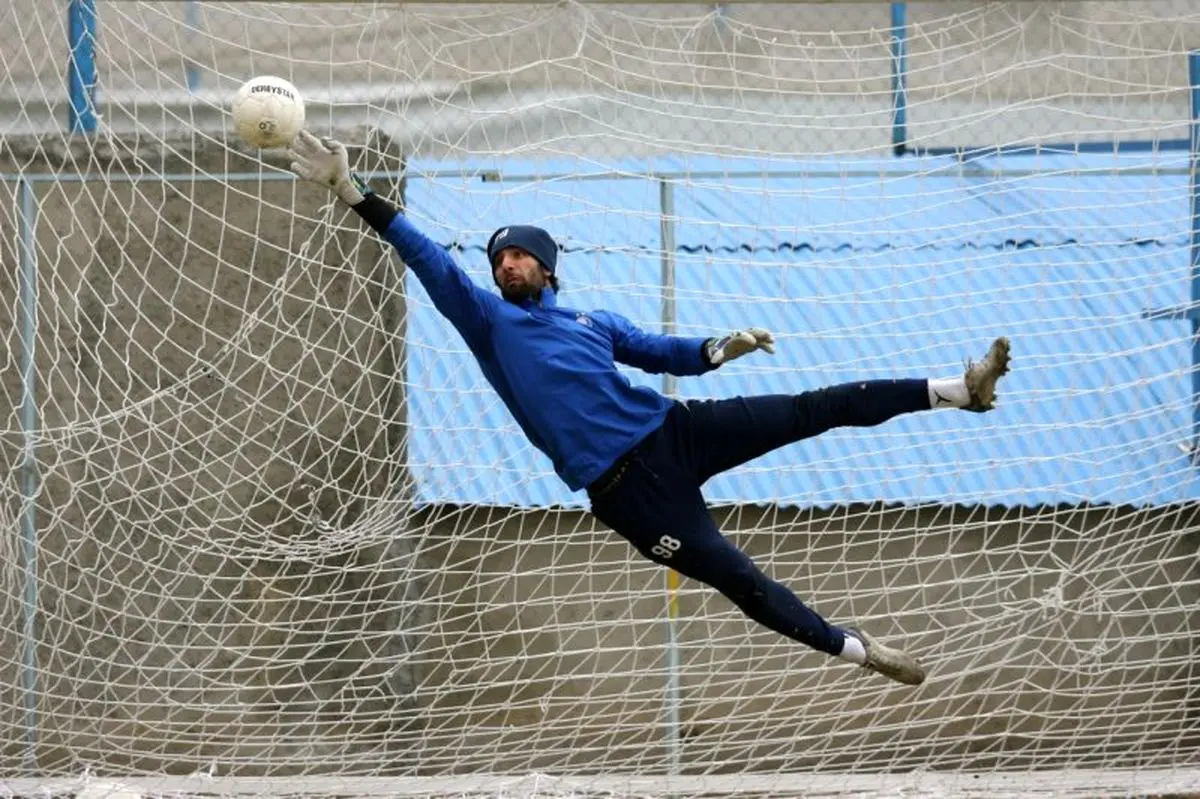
(853, 650)
(949, 392)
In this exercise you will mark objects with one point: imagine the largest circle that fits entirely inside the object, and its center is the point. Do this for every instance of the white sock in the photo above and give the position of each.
(853, 650)
(949, 392)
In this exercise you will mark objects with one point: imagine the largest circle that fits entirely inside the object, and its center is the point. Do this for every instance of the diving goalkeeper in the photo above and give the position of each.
(643, 457)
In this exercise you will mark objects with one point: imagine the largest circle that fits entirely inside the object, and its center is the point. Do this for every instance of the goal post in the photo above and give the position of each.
(268, 531)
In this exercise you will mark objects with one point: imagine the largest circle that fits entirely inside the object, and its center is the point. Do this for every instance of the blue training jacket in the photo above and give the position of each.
(553, 367)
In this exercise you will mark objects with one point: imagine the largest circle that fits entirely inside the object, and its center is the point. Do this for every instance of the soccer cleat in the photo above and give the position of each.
(982, 375)
(891, 663)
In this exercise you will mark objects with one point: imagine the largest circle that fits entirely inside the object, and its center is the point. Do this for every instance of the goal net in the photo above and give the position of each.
(265, 530)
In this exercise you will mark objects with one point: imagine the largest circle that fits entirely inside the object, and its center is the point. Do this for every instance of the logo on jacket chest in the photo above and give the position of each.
(584, 319)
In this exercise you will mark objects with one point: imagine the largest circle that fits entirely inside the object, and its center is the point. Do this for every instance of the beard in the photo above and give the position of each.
(521, 292)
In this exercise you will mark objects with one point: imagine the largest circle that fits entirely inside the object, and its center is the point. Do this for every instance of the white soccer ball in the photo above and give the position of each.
(268, 112)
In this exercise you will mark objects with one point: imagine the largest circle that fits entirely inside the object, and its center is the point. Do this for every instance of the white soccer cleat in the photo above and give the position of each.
(891, 663)
(982, 375)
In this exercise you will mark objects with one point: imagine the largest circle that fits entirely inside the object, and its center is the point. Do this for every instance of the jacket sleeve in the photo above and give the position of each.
(650, 352)
(467, 305)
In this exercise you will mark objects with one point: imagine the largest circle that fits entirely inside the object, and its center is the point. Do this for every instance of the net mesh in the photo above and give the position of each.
(266, 530)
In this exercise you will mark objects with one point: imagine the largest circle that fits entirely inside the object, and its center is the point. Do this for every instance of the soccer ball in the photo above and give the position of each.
(268, 112)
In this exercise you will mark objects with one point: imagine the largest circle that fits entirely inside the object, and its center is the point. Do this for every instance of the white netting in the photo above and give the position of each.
(287, 539)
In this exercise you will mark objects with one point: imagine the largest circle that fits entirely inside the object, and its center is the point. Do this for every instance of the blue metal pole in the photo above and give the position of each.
(899, 78)
(1194, 311)
(27, 291)
(192, 21)
(81, 66)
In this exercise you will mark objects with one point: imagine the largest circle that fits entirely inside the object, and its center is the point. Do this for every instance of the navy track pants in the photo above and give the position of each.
(651, 495)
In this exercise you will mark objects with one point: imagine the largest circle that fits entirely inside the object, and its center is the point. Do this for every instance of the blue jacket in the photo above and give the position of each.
(553, 367)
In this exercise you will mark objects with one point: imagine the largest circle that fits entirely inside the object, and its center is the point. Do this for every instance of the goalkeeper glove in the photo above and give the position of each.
(326, 162)
(737, 344)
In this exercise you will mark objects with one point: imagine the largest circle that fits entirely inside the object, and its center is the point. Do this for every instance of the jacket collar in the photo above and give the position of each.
(548, 300)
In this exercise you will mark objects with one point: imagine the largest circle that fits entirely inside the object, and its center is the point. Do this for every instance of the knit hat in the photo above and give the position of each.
(532, 240)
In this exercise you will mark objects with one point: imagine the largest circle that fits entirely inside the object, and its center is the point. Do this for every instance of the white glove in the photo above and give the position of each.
(326, 162)
(737, 344)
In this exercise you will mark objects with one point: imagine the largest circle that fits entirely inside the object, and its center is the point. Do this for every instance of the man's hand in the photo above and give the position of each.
(737, 344)
(325, 161)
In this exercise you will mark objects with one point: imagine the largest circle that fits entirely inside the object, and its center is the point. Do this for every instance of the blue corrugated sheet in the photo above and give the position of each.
(864, 270)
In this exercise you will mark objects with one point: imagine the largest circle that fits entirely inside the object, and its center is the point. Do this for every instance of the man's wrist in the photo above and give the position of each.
(376, 212)
(360, 185)
(353, 189)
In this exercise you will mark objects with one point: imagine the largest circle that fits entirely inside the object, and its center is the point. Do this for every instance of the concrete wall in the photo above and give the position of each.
(1054, 637)
(231, 574)
(219, 426)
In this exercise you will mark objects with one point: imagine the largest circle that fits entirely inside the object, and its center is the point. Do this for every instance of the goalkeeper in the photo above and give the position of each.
(643, 457)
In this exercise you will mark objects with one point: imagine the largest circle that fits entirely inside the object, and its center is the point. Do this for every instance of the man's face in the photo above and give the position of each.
(518, 274)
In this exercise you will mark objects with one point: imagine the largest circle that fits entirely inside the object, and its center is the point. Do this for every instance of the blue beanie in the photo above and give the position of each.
(532, 240)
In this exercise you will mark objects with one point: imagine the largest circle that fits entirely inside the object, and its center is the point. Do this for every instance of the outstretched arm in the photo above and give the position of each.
(454, 294)
(679, 355)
